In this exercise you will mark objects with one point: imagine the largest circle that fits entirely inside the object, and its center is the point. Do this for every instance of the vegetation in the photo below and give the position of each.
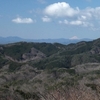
(92, 86)
(27, 95)
(16, 51)
(50, 71)
(13, 66)
(2, 62)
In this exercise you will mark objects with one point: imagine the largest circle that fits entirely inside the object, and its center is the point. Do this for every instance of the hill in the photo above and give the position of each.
(46, 71)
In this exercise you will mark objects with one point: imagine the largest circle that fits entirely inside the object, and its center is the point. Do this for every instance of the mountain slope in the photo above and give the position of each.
(55, 55)
(45, 71)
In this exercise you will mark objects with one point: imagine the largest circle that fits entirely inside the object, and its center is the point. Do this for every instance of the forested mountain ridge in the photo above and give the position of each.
(82, 52)
(46, 71)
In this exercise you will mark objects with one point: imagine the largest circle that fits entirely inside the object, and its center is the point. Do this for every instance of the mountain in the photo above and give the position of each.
(6, 40)
(50, 71)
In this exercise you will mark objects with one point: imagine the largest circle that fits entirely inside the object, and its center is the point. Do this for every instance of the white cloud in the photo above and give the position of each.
(77, 22)
(96, 12)
(63, 9)
(87, 17)
(91, 13)
(82, 17)
(74, 38)
(82, 23)
(22, 20)
(63, 22)
(46, 19)
(60, 9)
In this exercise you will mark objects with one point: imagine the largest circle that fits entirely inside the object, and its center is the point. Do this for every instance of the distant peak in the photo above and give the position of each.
(74, 38)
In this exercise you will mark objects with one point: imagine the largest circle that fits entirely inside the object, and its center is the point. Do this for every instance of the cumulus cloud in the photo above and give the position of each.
(63, 9)
(87, 17)
(82, 23)
(22, 20)
(60, 9)
(46, 19)
(90, 13)
(77, 22)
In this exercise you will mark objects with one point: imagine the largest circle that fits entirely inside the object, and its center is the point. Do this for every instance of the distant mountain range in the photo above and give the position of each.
(6, 40)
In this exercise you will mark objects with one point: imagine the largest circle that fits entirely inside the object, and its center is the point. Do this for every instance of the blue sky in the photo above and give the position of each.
(43, 19)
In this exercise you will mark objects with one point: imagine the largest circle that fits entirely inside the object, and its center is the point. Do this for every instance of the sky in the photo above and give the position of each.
(50, 19)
